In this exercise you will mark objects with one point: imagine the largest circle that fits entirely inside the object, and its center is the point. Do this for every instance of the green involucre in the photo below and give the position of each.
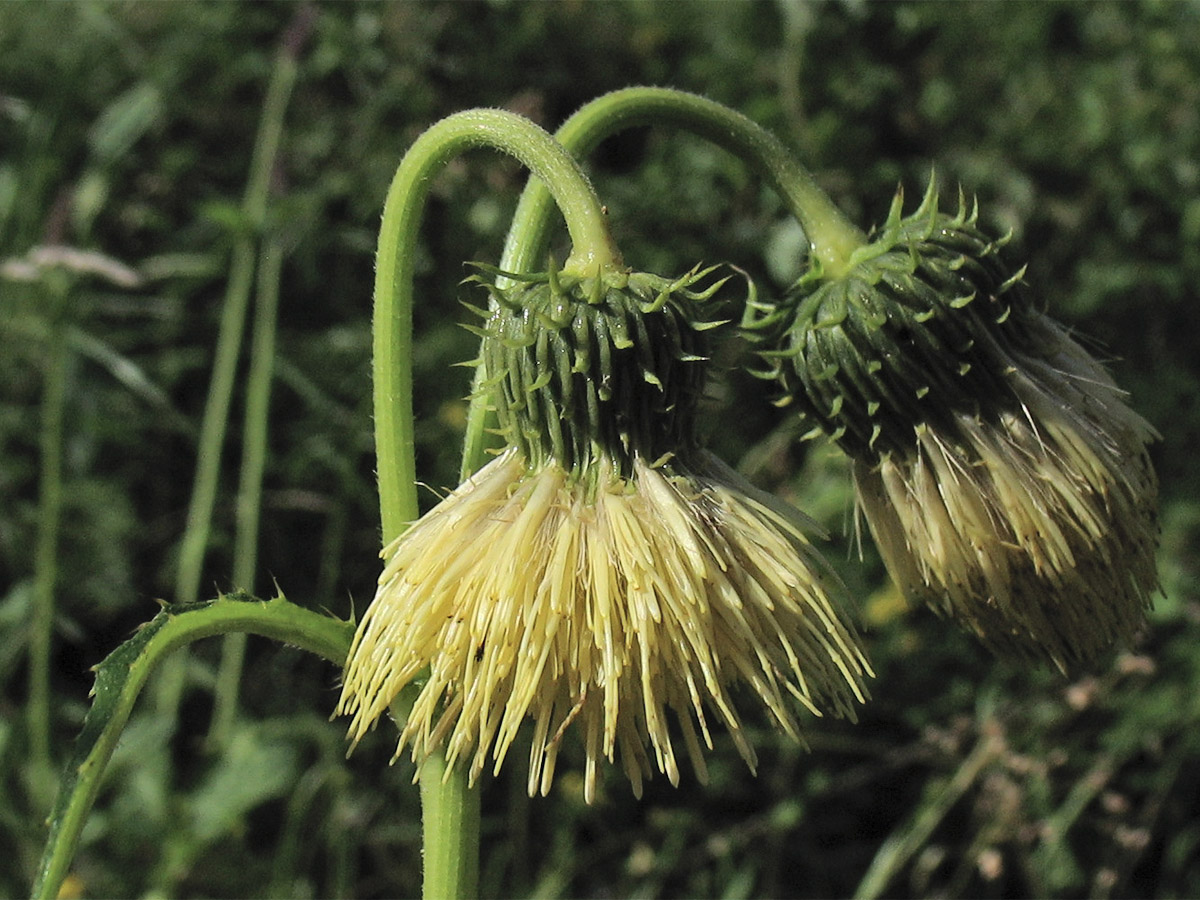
(920, 329)
(589, 368)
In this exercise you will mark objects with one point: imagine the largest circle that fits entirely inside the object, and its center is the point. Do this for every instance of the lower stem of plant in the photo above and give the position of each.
(450, 826)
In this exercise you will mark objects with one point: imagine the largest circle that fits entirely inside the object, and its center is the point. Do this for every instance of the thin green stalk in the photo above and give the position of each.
(832, 237)
(249, 499)
(169, 688)
(287, 851)
(450, 809)
(119, 681)
(906, 840)
(45, 562)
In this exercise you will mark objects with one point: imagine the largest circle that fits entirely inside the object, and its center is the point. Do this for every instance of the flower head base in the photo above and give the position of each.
(598, 368)
(1003, 476)
(914, 332)
(604, 575)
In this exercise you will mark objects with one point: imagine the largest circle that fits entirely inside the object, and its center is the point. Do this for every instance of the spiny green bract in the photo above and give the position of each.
(608, 367)
(917, 331)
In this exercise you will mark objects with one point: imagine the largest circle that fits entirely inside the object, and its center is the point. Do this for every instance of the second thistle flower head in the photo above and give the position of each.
(604, 576)
(999, 468)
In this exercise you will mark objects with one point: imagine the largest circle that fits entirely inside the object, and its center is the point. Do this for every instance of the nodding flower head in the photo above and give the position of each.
(608, 367)
(604, 577)
(1003, 476)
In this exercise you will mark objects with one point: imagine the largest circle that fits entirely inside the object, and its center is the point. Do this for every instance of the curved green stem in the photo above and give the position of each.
(832, 237)
(592, 250)
(120, 678)
(450, 808)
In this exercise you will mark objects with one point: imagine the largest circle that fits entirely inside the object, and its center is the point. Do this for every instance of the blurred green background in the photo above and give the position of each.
(127, 130)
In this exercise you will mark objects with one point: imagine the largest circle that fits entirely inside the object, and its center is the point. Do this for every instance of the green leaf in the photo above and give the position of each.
(120, 678)
(125, 120)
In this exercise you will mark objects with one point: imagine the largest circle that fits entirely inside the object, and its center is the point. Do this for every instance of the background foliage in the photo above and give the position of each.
(126, 129)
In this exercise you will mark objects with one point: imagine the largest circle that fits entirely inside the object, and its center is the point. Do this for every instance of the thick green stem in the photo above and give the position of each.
(450, 827)
(450, 808)
(592, 250)
(120, 678)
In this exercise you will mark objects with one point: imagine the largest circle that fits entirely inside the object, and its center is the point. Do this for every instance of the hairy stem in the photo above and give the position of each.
(450, 808)
(592, 249)
(832, 237)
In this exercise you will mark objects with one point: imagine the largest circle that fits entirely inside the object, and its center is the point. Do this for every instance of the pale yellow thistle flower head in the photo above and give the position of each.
(603, 580)
(1003, 476)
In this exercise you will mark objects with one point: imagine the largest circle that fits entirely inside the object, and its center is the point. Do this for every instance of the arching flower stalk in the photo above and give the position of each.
(604, 575)
(1006, 481)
